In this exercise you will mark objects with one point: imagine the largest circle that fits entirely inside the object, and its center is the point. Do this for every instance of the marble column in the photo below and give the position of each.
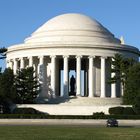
(91, 77)
(11, 64)
(40, 67)
(66, 77)
(41, 76)
(78, 74)
(7, 63)
(53, 74)
(22, 63)
(103, 78)
(122, 90)
(15, 65)
(113, 85)
(30, 61)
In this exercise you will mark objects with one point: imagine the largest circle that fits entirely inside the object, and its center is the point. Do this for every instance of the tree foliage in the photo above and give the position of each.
(27, 85)
(7, 89)
(127, 71)
(137, 104)
(116, 68)
(132, 87)
(120, 66)
(3, 52)
(20, 88)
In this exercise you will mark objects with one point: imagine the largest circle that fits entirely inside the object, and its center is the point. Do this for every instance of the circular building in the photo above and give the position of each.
(72, 44)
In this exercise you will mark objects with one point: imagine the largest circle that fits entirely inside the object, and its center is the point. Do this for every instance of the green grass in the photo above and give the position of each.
(67, 133)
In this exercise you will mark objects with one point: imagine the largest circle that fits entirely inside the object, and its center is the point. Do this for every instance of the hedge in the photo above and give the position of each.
(26, 111)
(23, 116)
(30, 113)
(116, 110)
(128, 111)
(45, 116)
(121, 111)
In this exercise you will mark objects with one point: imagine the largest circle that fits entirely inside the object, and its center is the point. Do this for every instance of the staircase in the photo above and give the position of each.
(82, 101)
(75, 105)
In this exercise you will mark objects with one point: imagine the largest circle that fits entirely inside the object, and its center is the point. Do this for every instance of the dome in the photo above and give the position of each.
(71, 22)
(72, 29)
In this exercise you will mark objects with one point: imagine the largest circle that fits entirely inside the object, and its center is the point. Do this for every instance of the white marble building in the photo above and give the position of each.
(72, 43)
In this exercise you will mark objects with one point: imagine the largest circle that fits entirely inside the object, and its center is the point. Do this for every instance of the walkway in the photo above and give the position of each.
(122, 123)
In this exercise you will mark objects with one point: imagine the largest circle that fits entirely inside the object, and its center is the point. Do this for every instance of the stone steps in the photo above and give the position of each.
(84, 101)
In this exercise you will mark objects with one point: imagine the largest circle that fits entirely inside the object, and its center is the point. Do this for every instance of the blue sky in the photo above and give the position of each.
(19, 18)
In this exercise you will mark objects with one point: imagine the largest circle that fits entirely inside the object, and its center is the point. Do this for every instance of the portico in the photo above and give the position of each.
(52, 68)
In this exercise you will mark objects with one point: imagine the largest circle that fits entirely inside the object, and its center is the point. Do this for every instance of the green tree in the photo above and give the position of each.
(3, 53)
(27, 85)
(7, 89)
(120, 66)
(116, 68)
(136, 105)
(132, 86)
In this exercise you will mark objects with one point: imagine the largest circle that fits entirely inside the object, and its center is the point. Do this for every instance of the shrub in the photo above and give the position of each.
(99, 115)
(26, 111)
(128, 111)
(116, 110)
(45, 116)
(136, 106)
(24, 116)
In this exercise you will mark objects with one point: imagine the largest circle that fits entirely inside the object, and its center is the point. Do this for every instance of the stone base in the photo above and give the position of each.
(69, 110)
(75, 105)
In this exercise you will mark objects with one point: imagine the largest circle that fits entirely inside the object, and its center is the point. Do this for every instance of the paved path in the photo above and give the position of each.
(131, 123)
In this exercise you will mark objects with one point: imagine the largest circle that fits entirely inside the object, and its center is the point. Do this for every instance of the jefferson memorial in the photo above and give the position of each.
(66, 45)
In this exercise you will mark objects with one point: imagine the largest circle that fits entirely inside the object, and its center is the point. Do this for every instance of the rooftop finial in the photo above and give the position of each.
(122, 40)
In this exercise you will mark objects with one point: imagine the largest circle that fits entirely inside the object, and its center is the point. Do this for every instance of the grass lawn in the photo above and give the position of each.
(67, 133)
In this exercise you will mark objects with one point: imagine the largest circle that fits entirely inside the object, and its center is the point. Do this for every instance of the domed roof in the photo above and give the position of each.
(71, 22)
(72, 28)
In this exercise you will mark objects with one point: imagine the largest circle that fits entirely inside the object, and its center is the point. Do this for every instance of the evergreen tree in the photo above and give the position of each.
(27, 85)
(7, 89)
(116, 68)
(3, 53)
(120, 66)
(136, 105)
(132, 87)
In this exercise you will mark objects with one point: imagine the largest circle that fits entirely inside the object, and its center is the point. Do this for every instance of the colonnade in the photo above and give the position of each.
(20, 63)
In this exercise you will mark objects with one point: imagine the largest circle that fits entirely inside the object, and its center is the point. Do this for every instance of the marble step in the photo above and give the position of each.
(85, 101)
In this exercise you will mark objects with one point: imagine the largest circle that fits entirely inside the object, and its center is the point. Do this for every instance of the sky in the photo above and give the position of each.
(20, 18)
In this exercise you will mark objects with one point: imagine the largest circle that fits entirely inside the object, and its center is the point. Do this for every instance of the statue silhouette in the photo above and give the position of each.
(72, 84)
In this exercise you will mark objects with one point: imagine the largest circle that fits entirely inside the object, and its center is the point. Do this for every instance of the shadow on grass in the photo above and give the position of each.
(126, 126)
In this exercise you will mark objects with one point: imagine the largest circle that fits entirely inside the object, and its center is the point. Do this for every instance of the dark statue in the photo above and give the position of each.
(72, 84)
